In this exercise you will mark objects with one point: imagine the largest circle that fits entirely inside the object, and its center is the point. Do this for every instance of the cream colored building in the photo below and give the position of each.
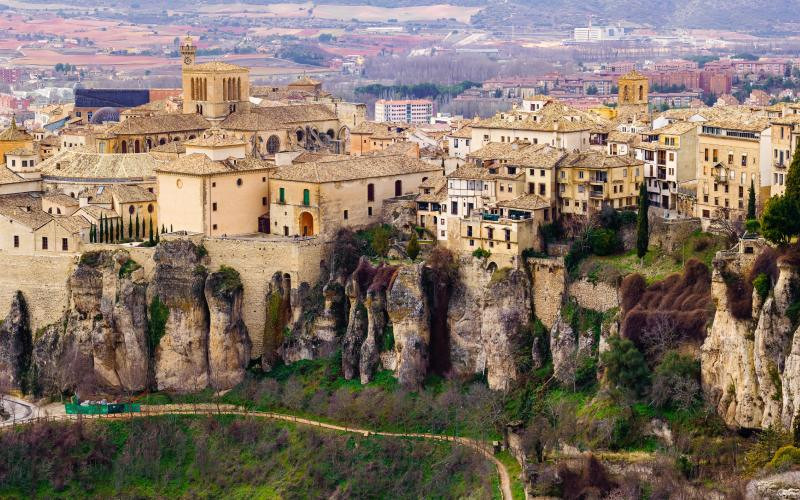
(315, 198)
(784, 141)
(506, 230)
(431, 204)
(26, 229)
(215, 198)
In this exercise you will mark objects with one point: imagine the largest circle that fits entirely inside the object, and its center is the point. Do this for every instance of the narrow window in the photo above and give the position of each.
(306, 197)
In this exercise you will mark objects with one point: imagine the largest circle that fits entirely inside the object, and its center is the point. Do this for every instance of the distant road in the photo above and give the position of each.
(25, 412)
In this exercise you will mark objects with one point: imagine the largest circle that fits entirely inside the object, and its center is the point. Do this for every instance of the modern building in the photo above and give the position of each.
(403, 111)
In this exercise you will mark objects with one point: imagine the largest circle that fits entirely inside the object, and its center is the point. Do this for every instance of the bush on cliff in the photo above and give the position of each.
(625, 366)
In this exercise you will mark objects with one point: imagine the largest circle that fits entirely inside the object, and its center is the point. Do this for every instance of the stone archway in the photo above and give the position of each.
(306, 224)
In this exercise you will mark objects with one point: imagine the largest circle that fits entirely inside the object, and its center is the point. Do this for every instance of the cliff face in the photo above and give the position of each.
(180, 331)
(751, 367)
(181, 359)
(15, 346)
(409, 313)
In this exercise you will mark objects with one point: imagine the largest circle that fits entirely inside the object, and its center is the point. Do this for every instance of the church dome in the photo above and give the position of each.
(104, 115)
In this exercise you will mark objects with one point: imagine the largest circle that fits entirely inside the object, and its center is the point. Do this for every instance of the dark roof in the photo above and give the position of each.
(112, 98)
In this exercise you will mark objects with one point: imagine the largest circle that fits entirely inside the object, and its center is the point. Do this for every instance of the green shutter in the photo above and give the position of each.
(281, 196)
(306, 197)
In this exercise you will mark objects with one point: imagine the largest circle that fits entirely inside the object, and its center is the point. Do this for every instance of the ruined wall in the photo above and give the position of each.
(257, 261)
(142, 255)
(549, 286)
(43, 282)
(670, 234)
(598, 296)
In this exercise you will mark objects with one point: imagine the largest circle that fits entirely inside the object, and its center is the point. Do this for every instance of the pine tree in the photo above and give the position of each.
(150, 236)
(751, 201)
(137, 226)
(130, 226)
(642, 229)
(100, 225)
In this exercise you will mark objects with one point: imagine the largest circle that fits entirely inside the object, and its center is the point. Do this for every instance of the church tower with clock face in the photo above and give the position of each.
(213, 89)
(188, 51)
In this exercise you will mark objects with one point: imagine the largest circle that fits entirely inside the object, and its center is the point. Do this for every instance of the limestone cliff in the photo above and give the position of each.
(487, 313)
(228, 340)
(410, 317)
(181, 331)
(15, 346)
(102, 339)
(751, 367)
(181, 356)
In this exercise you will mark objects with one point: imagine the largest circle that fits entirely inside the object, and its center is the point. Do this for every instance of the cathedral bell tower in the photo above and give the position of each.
(188, 51)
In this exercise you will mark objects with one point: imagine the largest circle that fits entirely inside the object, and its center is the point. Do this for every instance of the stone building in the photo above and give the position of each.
(315, 198)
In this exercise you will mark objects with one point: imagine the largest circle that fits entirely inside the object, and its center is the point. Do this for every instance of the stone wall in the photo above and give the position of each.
(141, 255)
(257, 260)
(670, 234)
(598, 296)
(549, 286)
(43, 282)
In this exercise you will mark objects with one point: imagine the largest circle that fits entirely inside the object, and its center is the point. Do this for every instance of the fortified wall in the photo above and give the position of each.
(43, 279)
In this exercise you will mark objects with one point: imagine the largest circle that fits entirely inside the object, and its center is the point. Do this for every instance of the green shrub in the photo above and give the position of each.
(388, 338)
(226, 280)
(200, 251)
(127, 268)
(481, 253)
(785, 458)
(604, 241)
(90, 259)
(625, 366)
(156, 323)
(752, 226)
(762, 285)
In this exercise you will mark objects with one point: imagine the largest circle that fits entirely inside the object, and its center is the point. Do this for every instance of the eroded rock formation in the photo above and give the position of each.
(15, 346)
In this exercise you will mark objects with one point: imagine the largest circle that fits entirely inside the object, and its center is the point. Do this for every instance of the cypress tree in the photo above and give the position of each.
(170, 228)
(163, 229)
(113, 233)
(150, 236)
(91, 234)
(100, 224)
(642, 229)
(751, 201)
(137, 226)
(121, 228)
(106, 230)
(130, 226)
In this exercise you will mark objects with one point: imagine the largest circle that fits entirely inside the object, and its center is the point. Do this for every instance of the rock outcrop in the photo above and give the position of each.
(102, 340)
(751, 367)
(409, 314)
(487, 313)
(181, 356)
(228, 340)
(15, 346)
(180, 331)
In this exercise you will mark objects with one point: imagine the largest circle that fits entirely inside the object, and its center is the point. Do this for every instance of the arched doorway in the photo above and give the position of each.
(136, 146)
(124, 147)
(306, 224)
(398, 187)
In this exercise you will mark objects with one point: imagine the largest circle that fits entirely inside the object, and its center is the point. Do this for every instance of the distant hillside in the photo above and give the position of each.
(735, 15)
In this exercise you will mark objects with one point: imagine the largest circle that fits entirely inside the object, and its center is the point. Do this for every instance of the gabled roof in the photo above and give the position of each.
(526, 202)
(200, 164)
(73, 223)
(277, 117)
(29, 216)
(160, 124)
(9, 177)
(597, 159)
(83, 163)
(13, 133)
(129, 193)
(354, 168)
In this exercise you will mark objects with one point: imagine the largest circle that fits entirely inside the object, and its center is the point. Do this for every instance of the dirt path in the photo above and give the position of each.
(57, 414)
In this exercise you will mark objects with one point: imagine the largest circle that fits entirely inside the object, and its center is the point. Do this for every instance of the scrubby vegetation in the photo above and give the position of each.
(219, 456)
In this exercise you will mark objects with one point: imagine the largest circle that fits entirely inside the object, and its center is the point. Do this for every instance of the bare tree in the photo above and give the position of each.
(724, 222)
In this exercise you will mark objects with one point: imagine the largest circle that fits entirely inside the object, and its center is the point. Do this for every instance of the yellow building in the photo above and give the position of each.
(14, 138)
(314, 198)
(587, 181)
(213, 89)
(732, 155)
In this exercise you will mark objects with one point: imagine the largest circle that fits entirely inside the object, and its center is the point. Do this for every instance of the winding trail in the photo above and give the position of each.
(56, 413)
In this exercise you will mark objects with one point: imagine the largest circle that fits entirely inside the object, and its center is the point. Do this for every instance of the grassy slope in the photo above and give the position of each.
(230, 457)
(656, 265)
